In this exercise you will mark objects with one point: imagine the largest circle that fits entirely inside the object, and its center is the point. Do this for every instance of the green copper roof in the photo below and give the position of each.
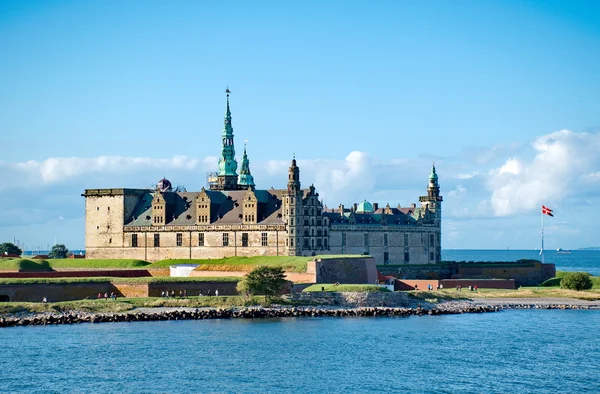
(433, 176)
(365, 207)
(227, 163)
(245, 178)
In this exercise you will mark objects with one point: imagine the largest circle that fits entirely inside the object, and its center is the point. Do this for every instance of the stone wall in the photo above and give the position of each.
(354, 299)
(530, 273)
(343, 270)
(524, 274)
(70, 291)
(415, 241)
(80, 291)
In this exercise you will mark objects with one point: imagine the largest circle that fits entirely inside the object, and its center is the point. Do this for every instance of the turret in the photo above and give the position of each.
(291, 209)
(245, 180)
(203, 212)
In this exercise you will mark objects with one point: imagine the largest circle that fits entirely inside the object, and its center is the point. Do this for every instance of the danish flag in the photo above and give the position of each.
(547, 211)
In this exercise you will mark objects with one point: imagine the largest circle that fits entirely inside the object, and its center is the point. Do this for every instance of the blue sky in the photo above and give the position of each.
(503, 96)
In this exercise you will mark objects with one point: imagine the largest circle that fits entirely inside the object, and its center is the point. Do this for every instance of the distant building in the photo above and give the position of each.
(233, 218)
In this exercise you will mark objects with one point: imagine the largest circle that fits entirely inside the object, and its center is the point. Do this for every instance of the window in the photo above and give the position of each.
(325, 232)
(292, 211)
(109, 208)
(306, 213)
(306, 242)
(319, 222)
(385, 240)
(319, 244)
(366, 239)
(134, 242)
(156, 240)
(325, 242)
(110, 240)
(343, 239)
(306, 222)
(306, 232)
(386, 258)
(319, 232)
(431, 256)
(312, 243)
(292, 221)
(431, 240)
(264, 241)
(201, 239)
(405, 239)
(291, 241)
(225, 239)
(244, 239)
(179, 239)
(97, 208)
(406, 257)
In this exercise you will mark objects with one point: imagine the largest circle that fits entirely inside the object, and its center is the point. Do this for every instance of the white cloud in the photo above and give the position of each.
(553, 174)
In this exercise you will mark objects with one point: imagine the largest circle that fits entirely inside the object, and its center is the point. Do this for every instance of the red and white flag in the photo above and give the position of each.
(547, 211)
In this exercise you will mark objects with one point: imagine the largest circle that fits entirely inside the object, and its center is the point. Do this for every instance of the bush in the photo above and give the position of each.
(267, 281)
(576, 281)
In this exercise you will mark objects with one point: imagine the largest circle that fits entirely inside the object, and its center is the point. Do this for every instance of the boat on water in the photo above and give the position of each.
(563, 251)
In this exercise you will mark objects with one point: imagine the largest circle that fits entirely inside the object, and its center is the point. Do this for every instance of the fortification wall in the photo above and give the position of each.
(343, 270)
(507, 284)
(80, 291)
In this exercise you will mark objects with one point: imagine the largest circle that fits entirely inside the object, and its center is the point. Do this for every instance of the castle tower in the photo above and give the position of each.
(227, 177)
(246, 180)
(433, 200)
(292, 207)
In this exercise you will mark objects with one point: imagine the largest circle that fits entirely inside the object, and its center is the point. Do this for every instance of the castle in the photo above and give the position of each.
(233, 218)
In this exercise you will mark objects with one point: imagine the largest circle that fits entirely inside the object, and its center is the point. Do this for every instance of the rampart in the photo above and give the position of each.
(78, 291)
(523, 272)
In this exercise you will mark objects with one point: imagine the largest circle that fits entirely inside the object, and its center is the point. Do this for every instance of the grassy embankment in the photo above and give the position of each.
(288, 263)
(345, 288)
(145, 279)
(126, 304)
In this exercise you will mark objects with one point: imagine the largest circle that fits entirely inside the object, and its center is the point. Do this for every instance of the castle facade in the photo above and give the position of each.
(233, 218)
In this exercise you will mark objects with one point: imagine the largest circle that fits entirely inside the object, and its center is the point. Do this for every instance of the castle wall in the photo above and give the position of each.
(419, 245)
(104, 221)
(213, 245)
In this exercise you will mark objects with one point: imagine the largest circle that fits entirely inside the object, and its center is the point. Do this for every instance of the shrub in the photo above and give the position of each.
(576, 281)
(266, 281)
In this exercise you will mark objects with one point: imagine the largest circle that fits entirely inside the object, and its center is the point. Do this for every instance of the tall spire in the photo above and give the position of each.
(294, 176)
(227, 177)
(245, 179)
(433, 178)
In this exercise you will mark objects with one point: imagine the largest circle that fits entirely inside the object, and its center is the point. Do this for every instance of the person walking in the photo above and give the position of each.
(217, 293)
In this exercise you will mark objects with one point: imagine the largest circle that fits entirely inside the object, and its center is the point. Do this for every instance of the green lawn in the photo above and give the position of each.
(555, 282)
(288, 263)
(97, 263)
(126, 304)
(24, 265)
(346, 288)
(149, 279)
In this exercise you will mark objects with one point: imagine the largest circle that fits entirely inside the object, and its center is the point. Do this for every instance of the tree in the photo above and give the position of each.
(267, 281)
(10, 248)
(576, 281)
(58, 251)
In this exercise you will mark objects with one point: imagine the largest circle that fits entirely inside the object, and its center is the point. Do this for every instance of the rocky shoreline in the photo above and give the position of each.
(156, 314)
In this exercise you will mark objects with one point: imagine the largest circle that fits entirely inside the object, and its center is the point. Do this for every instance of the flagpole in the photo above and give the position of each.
(542, 250)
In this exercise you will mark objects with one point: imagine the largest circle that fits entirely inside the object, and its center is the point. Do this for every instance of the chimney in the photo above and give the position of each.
(341, 209)
(354, 207)
(414, 205)
(375, 206)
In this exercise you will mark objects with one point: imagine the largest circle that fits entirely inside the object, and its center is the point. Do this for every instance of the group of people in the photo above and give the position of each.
(471, 288)
(112, 296)
(208, 293)
(430, 287)
(171, 294)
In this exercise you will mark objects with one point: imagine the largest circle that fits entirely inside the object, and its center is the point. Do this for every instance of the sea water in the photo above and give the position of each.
(519, 351)
(577, 260)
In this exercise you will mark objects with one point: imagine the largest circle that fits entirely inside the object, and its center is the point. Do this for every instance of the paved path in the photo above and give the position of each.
(534, 301)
